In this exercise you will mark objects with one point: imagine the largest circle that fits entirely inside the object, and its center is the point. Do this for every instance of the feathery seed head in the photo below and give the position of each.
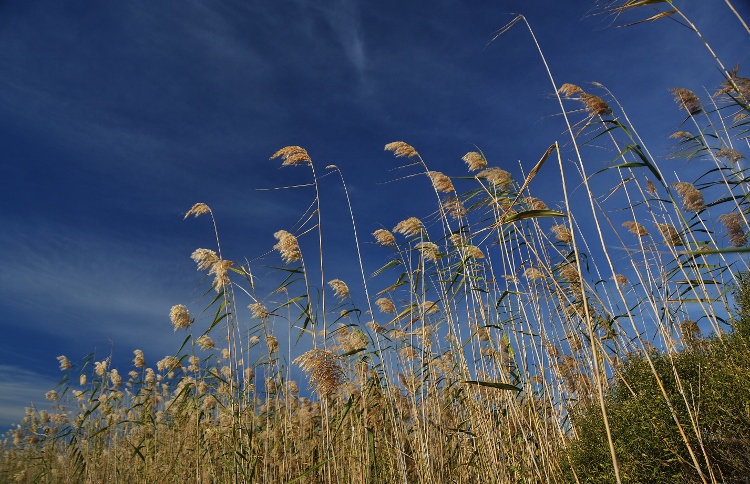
(535, 203)
(226, 372)
(730, 155)
(64, 363)
(570, 274)
(287, 246)
(428, 250)
(324, 368)
(733, 222)
(738, 84)
(205, 258)
(292, 155)
(115, 378)
(410, 227)
(273, 343)
(340, 289)
(533, 274)
(82, 380)
(454, 207)
(441, 182)
(198, 209)
(401, 149)
(594, 105)
(636, 229)
(620, 279)
(386, 305)
(168, 363)
(692, 199)
(568, 89)
(180, 317)
(687, 100)
(650, 187)
(496, 176)
(100, 367)
(409, 353)
(139, 361)
(474, 252)
(681, 134)
(475, 160)
(384, 237)
(690, 328)
(259, 311)
(51, 395)
(562, 233)
(205, 342)
(430, 307)
(254, 340)
(219, 269)
(670, 234)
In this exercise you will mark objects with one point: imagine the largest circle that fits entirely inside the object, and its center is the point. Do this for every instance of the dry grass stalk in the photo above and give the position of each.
(692, 199)
(636, 229)
(292, 155)
(687, 100)
(475, 160)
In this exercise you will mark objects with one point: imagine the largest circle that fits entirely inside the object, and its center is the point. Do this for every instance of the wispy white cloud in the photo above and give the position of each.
(20, 388)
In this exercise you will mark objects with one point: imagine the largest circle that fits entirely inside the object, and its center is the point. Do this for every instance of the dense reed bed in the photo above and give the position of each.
(502, 340)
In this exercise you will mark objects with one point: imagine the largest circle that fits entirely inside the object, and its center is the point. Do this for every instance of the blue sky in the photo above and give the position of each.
(118, 117)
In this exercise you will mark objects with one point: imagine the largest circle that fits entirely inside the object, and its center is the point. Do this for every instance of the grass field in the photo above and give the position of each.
(503, 340)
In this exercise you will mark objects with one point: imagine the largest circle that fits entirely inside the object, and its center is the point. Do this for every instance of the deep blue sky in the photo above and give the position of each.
(117, 116)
